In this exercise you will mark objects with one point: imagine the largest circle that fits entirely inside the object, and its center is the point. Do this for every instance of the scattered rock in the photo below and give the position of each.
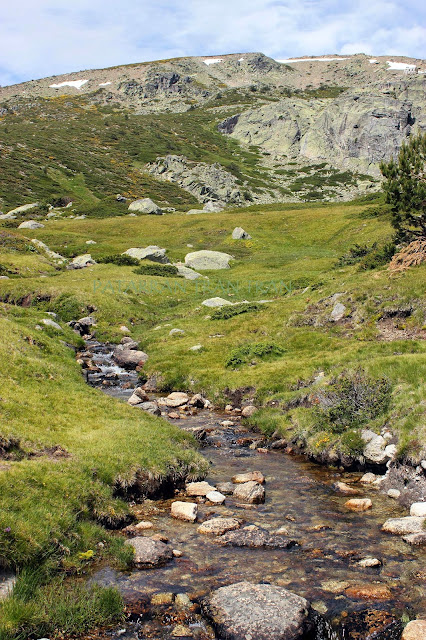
(418, 509)
(162, 598)
(145, 205)
(255, 537)
(135, 529)
(213, 207)
(216, 302)
(216, 497)
(198, 489)
(250, 476)
(138, 396)
(176, 332)
(239, 234)
(227, 488)
(181, 631)
(369, 562)
(150, 407)
(369, 592)
(404, 526)
(196, 348)
(248, 411)
(375, 449)
(149, 553)
(48, 322)
(251, 492)
(198, 400)
(345, 489)
(56, 257)
(79, 262)
(153, 253)
(176, 399)
(182, 601)
(187, 273)
(415, 630)
(338, 312)
(368, 478)
(129, 358)
(218, 526)
(184, 511)
(360, 504)
(31, 224)
(22, 209)
(203, 260)
(245, 611)
(394, 493)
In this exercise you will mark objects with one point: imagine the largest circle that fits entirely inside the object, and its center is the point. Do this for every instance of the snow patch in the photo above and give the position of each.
(400, 66)
(373, 61)
(240, 59)
(212, 61)
(292, 60)
(104, 84)
(77, 84)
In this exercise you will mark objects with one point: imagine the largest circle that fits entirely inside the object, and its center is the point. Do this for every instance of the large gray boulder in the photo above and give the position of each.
(251, 492)
(153, 253)
(129, 358)
(239, 234)
(31, 224)
(149, 553)
(204, 259)
(187, 273)
(79, 262)
(216, 302)
(245, 611)
(145, 205)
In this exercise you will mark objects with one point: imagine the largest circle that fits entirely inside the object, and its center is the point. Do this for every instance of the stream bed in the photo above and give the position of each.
(323, 567)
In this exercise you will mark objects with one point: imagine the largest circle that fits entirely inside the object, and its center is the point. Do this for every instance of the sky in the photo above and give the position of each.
(41, 38)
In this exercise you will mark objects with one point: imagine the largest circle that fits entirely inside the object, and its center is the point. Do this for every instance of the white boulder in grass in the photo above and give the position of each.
(145, 205)
(239, 234)
(31, 224)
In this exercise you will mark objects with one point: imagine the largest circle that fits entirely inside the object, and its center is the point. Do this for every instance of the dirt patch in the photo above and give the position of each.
(411, 256)
(389, 331)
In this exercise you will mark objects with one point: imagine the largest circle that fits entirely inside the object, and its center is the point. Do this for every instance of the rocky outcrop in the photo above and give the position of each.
(206, 182)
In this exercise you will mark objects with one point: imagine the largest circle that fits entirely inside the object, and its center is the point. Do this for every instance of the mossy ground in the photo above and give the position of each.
(290, 262)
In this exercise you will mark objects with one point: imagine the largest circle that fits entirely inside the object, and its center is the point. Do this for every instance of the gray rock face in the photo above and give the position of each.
(204, 260)
(239, 234)
(255, 537)
(145, 205)
(153, 253)
(244, 611)
(207, 182)
(129, 358)
(149, 553)
(31, 224)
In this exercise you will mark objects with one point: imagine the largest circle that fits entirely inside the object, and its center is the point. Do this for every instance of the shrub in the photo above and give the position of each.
(224, 313)
(352, 442)
(368, 257)
(156, 269)
(120, 259)
(262, 350)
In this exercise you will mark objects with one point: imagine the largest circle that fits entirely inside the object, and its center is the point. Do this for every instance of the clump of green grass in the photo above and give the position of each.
(156, 269)
(267, 420)
(224, 313)
(258, 350)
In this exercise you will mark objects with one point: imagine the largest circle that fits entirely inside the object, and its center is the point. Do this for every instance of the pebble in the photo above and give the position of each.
(394, 493)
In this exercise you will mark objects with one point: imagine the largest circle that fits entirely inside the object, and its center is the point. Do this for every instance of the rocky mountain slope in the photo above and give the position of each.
(301, 129)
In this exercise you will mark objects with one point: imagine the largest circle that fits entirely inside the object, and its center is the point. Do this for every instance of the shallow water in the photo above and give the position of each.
(299, 496)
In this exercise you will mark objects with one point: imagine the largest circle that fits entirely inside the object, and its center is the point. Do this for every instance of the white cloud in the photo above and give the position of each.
(55, 36)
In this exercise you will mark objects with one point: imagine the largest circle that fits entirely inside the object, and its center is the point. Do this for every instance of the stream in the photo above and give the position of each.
(299, 496)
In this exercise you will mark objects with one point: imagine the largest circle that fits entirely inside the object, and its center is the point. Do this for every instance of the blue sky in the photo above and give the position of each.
(45, 37)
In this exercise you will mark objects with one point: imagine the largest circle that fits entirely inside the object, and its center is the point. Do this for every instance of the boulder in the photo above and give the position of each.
(416, 539)
(359, 504)
(368, 478)
(176, 399)
(248, 411)
(145, 205)
(176, 332)
(250, 476)
(197, 400)
(245, 611)
(129, 358)
(203, 260)
(198, 489)
(56, 257)
(418, 509)
(218, 526)
(239, 234)
(150, 407)
(129, 343)
(187, 273)
(138, 396)
(338, 312)
(251, 492)
(216, 302)
(48, 322)
(184, 511)
(149, 553)
(213, 207)
(394, 493)
(415, 630)
(153, 253)
(216, 497)
(31, 224)
(404, 526)
(79, 262)
(227, 488)
(375, 450)
(254, 537)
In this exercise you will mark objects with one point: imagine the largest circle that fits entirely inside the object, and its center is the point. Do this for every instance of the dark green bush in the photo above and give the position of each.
(224, 313)
(368, 257)
(156, 269)
(120, 259)
(246, 353)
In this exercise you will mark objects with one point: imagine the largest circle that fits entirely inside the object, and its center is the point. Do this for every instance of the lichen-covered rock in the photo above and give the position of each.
(149, 553)
(251, 492)
(218, 526)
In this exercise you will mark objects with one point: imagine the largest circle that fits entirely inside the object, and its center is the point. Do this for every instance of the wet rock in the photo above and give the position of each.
(279, 444)
(369, 592)
(199, 488)
(239, 234)
(129, 358)
(394, 493)
(184, 511)
(248, 411)
(360, 504)
(369, 562)
(138, 396)
(176, 399)
(345, 489)
(371, 624)
(216, 497)
(135, 529)
(162, 598)
(416, 539)
(149, 553)
(368, 478)
(145, 205)
(218, 526)
(198, 401)
(227, 488)
(418, 509)
(404, 526)
(255, 537)
(250, 476)
(415, 630)
(127, 340)
(251, 492)
(181, 631)
(182, 601)
(150, 407)
(202, 260)
(245, 611)
(173, 415)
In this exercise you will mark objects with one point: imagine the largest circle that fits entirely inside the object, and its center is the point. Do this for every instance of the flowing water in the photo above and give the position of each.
(299, 496)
